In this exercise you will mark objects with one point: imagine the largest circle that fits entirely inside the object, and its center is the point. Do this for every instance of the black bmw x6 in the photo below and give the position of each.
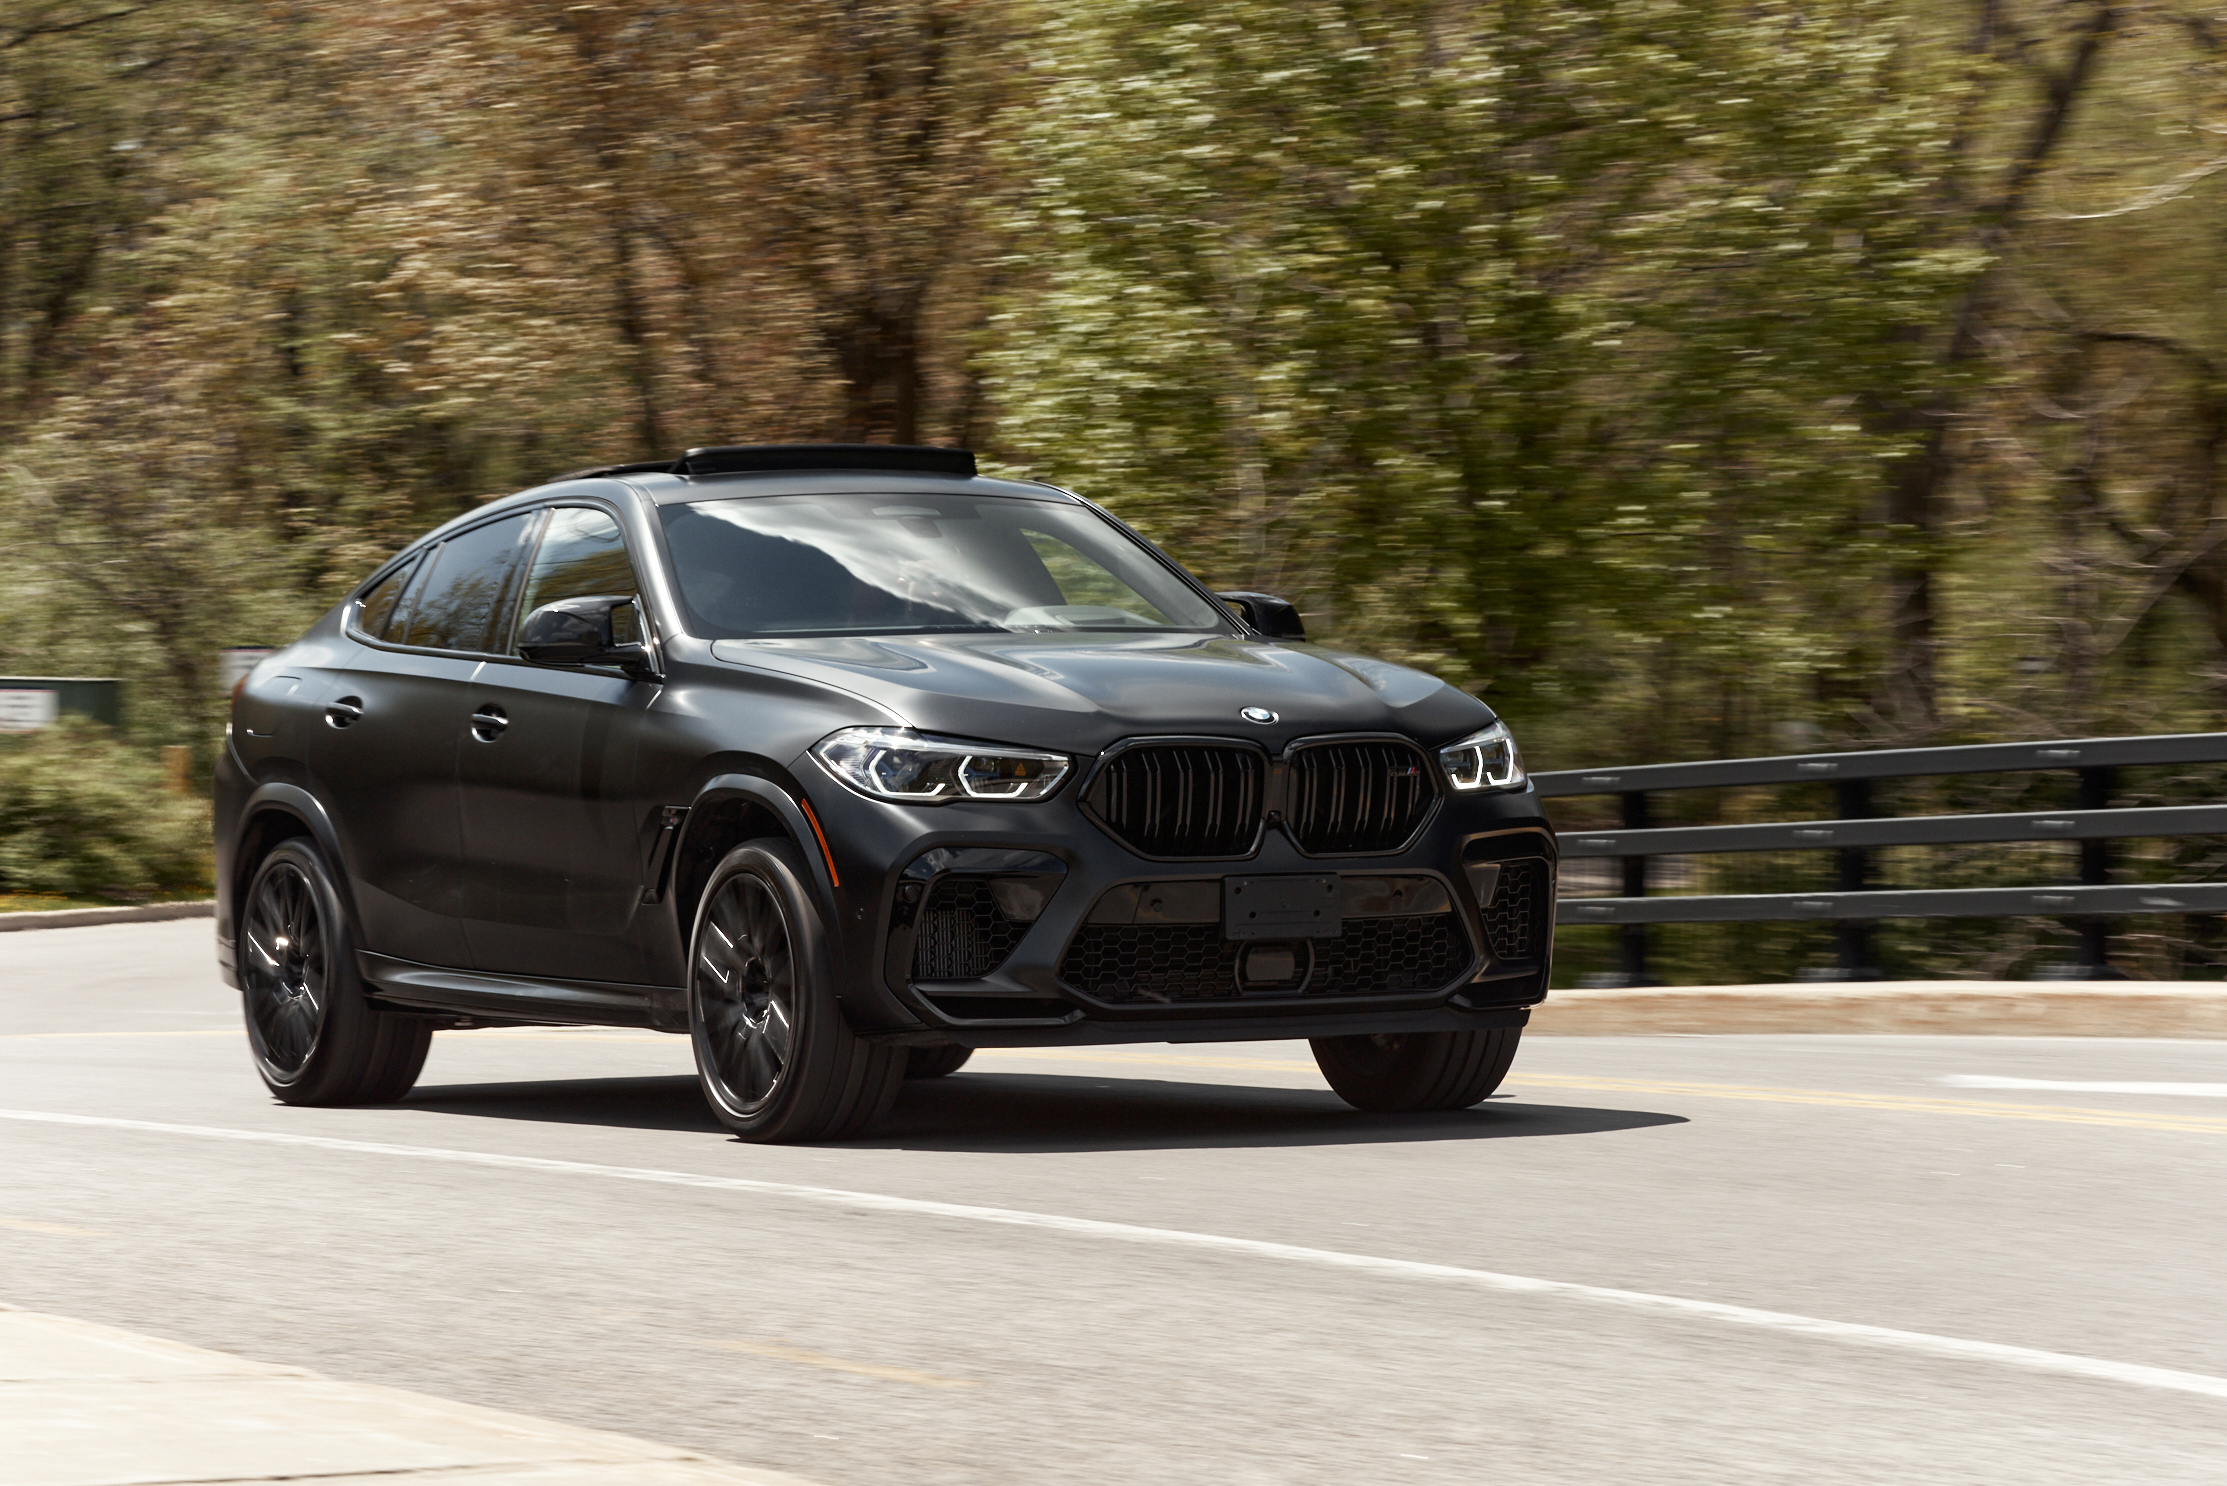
(846, 761)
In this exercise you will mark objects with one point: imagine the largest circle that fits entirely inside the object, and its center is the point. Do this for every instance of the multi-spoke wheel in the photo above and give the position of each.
(315, 1036)
(1405, 1072)
(777, 1060)
(748, 985)
(283, 968)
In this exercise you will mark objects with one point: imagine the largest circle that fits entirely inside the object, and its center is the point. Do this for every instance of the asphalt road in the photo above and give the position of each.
(648, 1275)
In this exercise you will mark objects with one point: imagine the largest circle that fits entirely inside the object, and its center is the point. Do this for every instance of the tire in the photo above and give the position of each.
(1407, 1072)
(936, 1062)
(315, 1036)
(776, 1059)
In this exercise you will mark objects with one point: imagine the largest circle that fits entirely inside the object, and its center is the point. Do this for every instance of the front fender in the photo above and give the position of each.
(867, 1004)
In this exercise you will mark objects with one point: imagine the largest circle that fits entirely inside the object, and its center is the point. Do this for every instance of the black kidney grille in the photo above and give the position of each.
(1516, 920)
(1363, 796)
(1169, 963)
(1182, 800)
(961, 933)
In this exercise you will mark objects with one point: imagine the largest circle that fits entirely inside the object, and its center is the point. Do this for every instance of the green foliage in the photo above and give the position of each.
(1526, 345)
(83, 815)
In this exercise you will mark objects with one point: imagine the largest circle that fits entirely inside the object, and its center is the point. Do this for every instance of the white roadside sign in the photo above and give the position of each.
(25, 709)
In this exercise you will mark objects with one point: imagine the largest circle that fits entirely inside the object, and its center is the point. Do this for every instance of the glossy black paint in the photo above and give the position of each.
(523, 842)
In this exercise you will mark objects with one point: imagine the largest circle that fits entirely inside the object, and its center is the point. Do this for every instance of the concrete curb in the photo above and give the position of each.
(1919, 1008)
(87, 1405)
(77, 918)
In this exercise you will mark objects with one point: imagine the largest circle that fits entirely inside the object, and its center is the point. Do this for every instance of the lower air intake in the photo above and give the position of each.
(1516, 919)
(962, 935)
(1170, 963)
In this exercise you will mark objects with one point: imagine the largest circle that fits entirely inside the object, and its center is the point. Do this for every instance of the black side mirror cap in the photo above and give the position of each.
(581, 632)
(1271, 616)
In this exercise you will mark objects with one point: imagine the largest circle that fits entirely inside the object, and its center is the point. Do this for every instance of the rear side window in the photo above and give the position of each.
(377, 608)
(457, 605)
(582, 555)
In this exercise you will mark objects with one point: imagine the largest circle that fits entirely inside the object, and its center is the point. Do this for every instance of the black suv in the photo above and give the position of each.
(846, 760)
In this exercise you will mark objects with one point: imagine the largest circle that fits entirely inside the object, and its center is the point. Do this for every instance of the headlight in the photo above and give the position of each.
(900, 764)
(1483, 760)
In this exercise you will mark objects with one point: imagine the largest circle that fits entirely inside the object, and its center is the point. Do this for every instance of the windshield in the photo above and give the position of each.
(917, 564)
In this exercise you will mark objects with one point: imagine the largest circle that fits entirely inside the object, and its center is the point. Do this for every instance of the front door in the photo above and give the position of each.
(555, 838)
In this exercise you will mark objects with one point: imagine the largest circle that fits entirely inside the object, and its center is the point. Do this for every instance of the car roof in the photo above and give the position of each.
(665, 489)
(668, 489)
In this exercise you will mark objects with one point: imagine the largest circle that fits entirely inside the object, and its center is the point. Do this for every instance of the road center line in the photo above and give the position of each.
(1921, 1343)
(2087, 1086)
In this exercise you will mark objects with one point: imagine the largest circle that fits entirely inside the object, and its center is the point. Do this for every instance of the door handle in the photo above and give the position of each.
(345, 713)
(488, 723)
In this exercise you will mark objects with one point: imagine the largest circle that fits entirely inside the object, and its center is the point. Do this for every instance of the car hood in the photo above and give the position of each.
(1070, 692)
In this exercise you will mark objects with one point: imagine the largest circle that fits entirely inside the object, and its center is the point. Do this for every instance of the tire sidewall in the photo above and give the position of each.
(776, 864)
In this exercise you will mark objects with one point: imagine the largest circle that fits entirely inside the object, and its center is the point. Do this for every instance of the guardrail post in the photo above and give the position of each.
(1853, 798)
(1633, 937)
(2095, 869)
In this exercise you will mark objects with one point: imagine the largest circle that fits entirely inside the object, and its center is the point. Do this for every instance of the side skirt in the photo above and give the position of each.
(476, 994)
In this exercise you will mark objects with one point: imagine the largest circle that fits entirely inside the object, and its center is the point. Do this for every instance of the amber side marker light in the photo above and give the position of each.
(826, 856)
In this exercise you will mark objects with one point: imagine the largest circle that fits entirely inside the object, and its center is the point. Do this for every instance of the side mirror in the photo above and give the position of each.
(584, 632)
(1269, 615)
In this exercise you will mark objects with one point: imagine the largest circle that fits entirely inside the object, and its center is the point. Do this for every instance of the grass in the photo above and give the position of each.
(46, 902)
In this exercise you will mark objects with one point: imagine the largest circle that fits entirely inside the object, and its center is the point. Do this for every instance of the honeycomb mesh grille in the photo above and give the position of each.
(1193, 962)
(961, 933)
(1182, 800)
(1516, 921)
(1361, 796)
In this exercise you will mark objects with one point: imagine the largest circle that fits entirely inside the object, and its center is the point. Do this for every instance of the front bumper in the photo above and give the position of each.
(890, 859)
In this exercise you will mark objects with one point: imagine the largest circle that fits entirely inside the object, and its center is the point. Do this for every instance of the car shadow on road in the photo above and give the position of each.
(657, 1102)
(1043, 1112)
(1025, 1112)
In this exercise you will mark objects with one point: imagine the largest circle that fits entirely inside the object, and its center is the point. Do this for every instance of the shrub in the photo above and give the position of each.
(86, 816)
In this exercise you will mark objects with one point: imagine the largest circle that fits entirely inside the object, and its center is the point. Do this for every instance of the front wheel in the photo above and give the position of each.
(316, 1037)
(1407, 1072)
(776, 1058)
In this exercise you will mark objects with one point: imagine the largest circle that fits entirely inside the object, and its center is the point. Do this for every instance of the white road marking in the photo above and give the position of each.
(1988, 1081)
(2030, 1359)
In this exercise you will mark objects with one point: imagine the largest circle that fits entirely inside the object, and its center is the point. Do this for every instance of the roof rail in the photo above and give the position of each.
(736, 459)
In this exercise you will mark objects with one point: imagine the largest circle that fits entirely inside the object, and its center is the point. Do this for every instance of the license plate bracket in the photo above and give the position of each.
(1285, 906)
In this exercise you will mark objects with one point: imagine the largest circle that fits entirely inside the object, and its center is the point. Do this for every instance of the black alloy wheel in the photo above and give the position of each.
(748, 986)
(314, 1033)
(776, 1059)
(283, 969)
(1409, 1072)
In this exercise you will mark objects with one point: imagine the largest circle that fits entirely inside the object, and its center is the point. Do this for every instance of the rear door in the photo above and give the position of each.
(554, 837)
(393, 718)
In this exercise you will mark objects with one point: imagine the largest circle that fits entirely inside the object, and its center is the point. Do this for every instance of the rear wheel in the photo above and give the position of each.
(316, 1037)
(1406, 1072)
(935, 1062)
(776, 1058)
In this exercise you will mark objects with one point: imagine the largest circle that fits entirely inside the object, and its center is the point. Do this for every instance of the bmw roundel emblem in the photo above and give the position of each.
(1257, 714)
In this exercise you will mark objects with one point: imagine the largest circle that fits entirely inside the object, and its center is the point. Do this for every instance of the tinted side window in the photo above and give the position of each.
(582, 555)
(378, 605)
(456, 606)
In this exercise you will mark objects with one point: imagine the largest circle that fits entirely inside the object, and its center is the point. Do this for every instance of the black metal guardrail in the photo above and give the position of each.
(1855, 903)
